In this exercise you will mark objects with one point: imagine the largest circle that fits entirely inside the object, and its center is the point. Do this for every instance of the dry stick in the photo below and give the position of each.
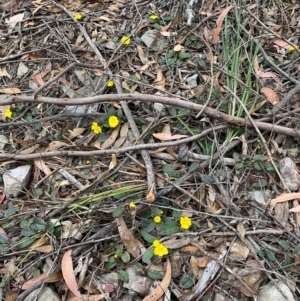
(261, 137)
(136, 133)
(111, 151)
(49, 82)
(145, 155)
(286, 99)
(213, 113)
(200, 166)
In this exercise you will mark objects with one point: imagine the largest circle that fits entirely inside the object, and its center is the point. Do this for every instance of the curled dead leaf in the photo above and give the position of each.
(271, 96)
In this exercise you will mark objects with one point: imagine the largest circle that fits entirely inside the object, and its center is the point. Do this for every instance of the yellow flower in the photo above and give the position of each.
(132, 205)
(153, 17)
(110, 83)
(157, 219)
(113, 121)
(96, 128)
(8, 113)
(185, 222)
(125, 40)
(88, 162)
(160, 249)
(78, 17)
(115, 256)
(291, 48)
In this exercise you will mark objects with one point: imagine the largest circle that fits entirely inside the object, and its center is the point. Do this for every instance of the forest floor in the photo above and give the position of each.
(153, 149)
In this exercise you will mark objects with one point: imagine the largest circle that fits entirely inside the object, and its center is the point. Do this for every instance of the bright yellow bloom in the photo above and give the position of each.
(88, 162)
(185, 222)
(110, 83)
(115, 256)
(153, 17)
(160, 249)
(157, 219)
(125, 40)
(113, 121)
(8, 113)
(291, 49)
(78, 17)
(96, 128)
(132, 205)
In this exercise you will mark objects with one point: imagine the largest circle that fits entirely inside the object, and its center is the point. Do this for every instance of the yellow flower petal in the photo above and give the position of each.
(96, 128)
(125, 40)
(132, 205)
(113, 121)
(110, 83)
(157, 219)
(78, 17)
(154, 17)
(185, 222)
(8, 113)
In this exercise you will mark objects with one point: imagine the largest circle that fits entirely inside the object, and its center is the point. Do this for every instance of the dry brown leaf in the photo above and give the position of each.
(111, 139)
(241, 229)
(167, 137)
(10, 90)
(68, 273)
(57, 276)
(271, 96)
(29, 150)
(44, 249)
(55, 145)
(150, 198)
(162, 288)
(113, 162)
(284, 197)
(127, 238)
(41, 165)
(178, 47)
(38, 79)
(3, 72)
(41, 241)
(76, 132)
(160, 81)
(261, 73)
(88, 297)
(203, 261)
(282, 44)
(219, 22)
(143, 56)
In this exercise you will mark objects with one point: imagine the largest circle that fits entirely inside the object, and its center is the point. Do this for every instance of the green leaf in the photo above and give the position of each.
(155, 275)
(123, 276)
(271, 255)
(170, 53)
(147, 255)
(24, 223)
(3, 239)
(125, 257)
(261, 253)
(170, 171)
(284, 244)
(38, 224)
(170, 228)
(11, 211)
(119, 250)
(24, 242)
(156, 26)
(111, 265)
(297, 249)
(239, 165)
(258, 157)
(36, 273)
(28, 232)
(261, 183)
(155, 210)
(148, 237)
(188, 281)
(3, 247)
(118, 212)
(184, 55)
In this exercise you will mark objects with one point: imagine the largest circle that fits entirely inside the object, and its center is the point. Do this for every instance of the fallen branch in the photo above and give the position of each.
(213, 113)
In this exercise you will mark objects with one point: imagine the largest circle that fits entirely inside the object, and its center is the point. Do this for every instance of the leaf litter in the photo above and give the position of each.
(244, 216)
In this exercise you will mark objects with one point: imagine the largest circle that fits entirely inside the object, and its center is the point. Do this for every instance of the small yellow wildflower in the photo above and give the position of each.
(160, 249)
(87, 162)
(96, 128)
(110, 84)
(113, 121)
(132, 205)
(291, 49)
(185, 222)
(153, 17)
(115, 256)
(157, 219)
(78, 17)
(8, 113)
(125, 40)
